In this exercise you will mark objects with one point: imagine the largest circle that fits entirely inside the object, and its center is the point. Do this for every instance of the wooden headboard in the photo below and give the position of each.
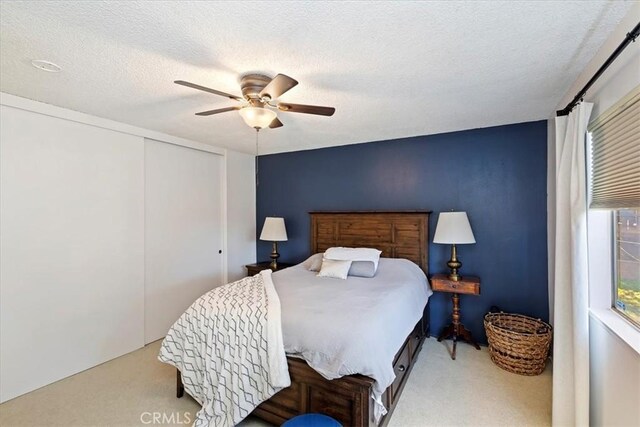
(396, 234)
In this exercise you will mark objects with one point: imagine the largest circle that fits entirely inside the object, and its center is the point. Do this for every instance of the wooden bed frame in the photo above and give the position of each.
(401, 234)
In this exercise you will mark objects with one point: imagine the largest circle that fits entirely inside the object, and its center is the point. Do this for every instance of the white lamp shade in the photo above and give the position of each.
(257, 117)
(273, 230)
(453, 228)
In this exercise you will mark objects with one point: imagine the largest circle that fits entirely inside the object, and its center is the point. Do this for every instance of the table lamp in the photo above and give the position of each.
(453, 228)
(274, 231)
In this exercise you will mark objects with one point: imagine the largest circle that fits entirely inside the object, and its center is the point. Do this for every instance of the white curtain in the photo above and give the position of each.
(571, 288)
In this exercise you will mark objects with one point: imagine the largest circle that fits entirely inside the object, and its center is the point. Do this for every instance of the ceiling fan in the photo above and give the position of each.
(259, 93)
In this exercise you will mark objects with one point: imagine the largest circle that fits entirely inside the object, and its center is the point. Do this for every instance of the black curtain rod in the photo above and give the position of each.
(630, 38)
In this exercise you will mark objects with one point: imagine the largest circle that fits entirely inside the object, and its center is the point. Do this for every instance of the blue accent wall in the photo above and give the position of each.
(497, 175)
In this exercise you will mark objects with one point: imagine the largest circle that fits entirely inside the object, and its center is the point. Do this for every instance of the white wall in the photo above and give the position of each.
(615, 379)
(72, 269)
(104, 210)
(241, 211)
(614, 365)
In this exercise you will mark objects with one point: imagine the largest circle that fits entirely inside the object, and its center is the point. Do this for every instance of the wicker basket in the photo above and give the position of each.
(518, 343)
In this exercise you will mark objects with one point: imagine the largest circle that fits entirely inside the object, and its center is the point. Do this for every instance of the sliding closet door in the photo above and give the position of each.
(71, 248)
(183, 231)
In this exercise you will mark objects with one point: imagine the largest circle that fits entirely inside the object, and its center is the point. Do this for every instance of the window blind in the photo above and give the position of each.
(615, 155)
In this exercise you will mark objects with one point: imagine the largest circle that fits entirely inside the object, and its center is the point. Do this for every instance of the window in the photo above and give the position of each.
(626, 292)
(614, 139)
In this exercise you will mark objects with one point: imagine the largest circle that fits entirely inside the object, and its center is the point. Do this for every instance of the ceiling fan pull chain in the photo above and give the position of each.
(257, 178)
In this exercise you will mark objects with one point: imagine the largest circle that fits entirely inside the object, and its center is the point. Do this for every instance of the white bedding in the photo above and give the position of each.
(353, 326)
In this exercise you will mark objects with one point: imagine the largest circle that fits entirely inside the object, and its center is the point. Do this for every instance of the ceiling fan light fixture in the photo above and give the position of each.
(257, 117)
(258, 108)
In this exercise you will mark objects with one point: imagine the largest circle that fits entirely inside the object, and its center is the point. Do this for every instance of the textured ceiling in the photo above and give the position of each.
(391, 69)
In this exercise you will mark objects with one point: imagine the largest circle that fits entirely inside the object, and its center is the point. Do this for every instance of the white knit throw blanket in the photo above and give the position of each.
(228, 347)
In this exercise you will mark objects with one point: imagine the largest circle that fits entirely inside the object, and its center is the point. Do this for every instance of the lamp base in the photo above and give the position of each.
(274, 256)
(454, 265)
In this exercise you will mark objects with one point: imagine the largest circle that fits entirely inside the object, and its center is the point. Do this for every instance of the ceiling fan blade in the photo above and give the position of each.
(276, 124)
(306, 109)
(206, 89)
(219, 110)
(277, 86)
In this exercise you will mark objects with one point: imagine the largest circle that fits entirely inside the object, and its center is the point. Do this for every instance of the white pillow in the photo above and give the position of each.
(334, 268)
(365, 260)
(314, 262)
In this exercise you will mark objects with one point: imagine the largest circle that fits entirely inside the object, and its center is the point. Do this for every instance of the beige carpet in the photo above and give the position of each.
(134, 388)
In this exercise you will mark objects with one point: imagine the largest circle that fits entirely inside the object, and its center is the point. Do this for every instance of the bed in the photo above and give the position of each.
(348, 399)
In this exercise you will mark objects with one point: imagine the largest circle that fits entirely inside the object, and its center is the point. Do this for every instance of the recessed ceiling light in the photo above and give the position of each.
(43, 65)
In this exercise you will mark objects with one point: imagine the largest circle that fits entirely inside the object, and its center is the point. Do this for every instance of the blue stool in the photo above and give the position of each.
(311, 420)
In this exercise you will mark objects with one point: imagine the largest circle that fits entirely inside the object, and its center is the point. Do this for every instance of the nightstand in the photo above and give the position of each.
(253, 269)
(466, 285)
